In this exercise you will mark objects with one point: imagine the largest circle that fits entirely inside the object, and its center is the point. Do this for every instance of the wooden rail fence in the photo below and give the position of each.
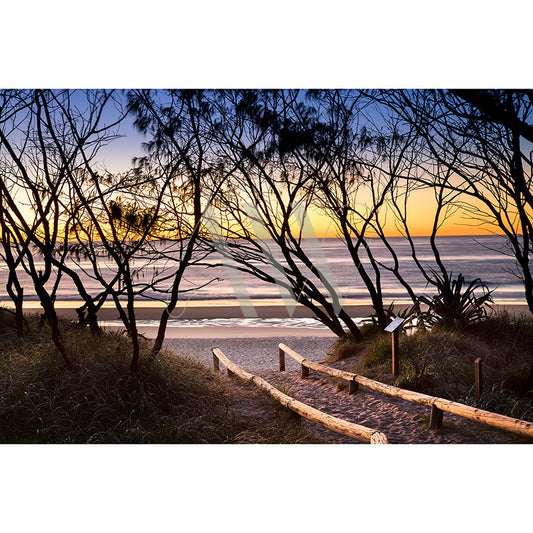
(437, 405)
(349, 429)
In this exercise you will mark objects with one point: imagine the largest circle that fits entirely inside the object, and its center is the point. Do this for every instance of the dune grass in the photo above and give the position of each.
(440, 362)
(174, 400)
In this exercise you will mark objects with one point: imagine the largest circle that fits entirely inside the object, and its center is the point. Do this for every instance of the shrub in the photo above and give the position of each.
(456, 304)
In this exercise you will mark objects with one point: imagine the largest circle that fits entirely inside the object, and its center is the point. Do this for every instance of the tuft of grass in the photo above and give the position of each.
(346, 346)
(341, 385)
(369, 330)
(380, 353)
(174, 400)
(343, 348)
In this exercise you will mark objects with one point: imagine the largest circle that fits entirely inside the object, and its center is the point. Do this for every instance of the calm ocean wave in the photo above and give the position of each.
(306, 323)
(229, 322)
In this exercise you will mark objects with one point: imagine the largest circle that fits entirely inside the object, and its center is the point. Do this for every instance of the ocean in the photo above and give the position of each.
(474, 257)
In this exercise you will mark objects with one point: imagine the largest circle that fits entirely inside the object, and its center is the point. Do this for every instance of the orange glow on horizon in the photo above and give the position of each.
(420, 219)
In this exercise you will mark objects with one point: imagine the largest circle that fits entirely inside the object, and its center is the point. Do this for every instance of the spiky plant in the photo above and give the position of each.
(457, 303)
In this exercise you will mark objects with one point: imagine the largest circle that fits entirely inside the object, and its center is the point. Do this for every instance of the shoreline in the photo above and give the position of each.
(232, 332)
(205, 312)
(188, 332)
(225, 310)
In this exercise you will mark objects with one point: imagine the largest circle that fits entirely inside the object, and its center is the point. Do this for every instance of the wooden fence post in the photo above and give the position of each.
(354, 387)
(478, 369)
(435, 419)
(215, 363)
(281, 360)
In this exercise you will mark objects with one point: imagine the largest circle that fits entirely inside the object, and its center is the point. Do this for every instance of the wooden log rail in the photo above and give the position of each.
(349, 429)
(437, 405)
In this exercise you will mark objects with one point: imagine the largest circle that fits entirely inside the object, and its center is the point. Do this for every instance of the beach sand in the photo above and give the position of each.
(253, 353)
(256, 350)
(213, 309)
(216, 309)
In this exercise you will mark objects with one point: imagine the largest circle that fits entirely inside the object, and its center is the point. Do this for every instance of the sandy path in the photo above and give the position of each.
(256, 350)
(402, 421)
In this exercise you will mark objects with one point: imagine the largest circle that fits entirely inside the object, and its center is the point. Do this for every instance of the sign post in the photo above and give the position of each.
(394, 328)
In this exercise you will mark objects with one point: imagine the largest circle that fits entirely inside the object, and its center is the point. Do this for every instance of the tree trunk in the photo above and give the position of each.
(50, 316)
(56, 338)
(19, 317)
(351, 325)
(326, 315)
(156, 348)
(134, 367)
(123, 316)
(377, 304)
(93, 322)
(91, 319)
(528, 286)
(158, 343)
(18, 300)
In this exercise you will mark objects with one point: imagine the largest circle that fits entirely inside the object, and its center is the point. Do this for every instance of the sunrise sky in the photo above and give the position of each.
(118, 155)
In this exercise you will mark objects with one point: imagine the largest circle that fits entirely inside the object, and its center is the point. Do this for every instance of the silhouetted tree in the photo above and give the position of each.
(179, 125)
(272, 189)
(32, 174)
(115, 217)
(49, 137)
(483, 141)
(12, 258)
(357, 163)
